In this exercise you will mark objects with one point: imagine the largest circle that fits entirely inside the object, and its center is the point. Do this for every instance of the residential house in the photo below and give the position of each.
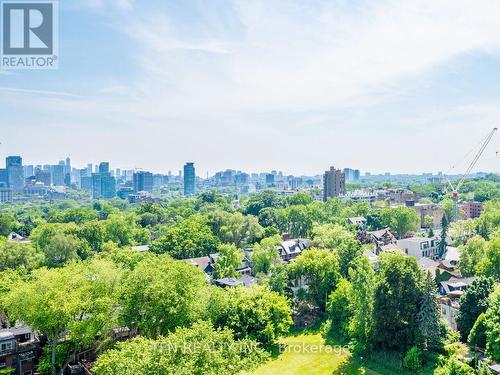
(290, 249)
(378, 238)
(449, 301)
(207, 264)
(420, 247)
(19, 348)
(230, 282)
(358, 221)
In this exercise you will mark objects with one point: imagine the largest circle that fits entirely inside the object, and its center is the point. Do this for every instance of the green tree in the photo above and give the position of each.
(6, 225)
(473, 303)
(17, 256)
(401, 219)
(320, 268)
(235, 228)
(261, 200)
(453, 366)
(397, 297)
(471, 254)
(335, 237)
(160, 294)
(444, 232)
(93, 233)
(339, 308)
(278, 280)
(62, 249)
(256, 313)
(492, 322)
(362, 277)
(265, 255)
(78, 301)
(192, 237)
(199, 350)
(477, 335)
(489, 265)
(228, 260)
(428, 314)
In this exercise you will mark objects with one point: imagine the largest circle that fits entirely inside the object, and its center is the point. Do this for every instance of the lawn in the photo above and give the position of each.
(307, 354)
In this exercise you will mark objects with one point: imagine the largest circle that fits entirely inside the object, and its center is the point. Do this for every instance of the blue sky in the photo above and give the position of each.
(259, 85)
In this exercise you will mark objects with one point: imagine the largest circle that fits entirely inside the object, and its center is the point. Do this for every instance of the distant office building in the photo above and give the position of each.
(124, 192)
(43, 177)
(357, 175)
(29, 171)
(143, 181)
(4, 177)
(103, 185)
(159, 180)
(333, 183)
(103, 167)
(67, 166)
(89, 169)
(15, 171)
(270, 178)
(189, 179)
(351, 175)
(58, 174)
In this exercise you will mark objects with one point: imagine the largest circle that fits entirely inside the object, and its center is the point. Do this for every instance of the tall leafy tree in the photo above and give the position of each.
(198, 350)
(19, 256)
(265, 255)
(321, 270)
(192, 237)
(78, 301)
(337, 238)
(489, 265)
(160, 294)
(397, 297)
(471, 254)
(473, 303)
(256, 313)
(229, 259)
(340, 308)
(492, 323)
(401, 219)
(444, 232)
(428, 314)
(362, 277)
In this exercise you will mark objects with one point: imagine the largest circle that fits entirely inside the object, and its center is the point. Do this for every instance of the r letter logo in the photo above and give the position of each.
(29, 35)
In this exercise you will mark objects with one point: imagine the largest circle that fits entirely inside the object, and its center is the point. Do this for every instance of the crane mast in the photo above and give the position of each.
(474, 161)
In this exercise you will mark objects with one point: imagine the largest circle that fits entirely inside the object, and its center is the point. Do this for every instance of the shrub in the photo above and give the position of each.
(412, 360)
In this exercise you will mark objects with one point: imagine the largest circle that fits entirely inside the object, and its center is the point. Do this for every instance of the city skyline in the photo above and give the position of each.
(385, 87)
(178, 170)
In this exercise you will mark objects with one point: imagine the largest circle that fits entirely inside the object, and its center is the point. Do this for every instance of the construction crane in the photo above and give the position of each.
(455, 188)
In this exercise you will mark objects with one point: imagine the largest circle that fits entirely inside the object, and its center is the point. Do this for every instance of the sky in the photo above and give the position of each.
(261, 85)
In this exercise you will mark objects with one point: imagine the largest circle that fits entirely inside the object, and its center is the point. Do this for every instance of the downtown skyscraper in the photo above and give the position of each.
(189, 179)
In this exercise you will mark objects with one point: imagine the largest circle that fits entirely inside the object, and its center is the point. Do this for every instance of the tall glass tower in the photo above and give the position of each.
(189, 179)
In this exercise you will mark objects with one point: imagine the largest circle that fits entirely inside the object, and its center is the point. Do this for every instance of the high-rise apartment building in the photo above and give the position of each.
(143, 181)
(103, 183)
(57, 172)
(15, 172)
(29, 171)
(42, 176)
(189, 179)
(4, 178)
(333, 183)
